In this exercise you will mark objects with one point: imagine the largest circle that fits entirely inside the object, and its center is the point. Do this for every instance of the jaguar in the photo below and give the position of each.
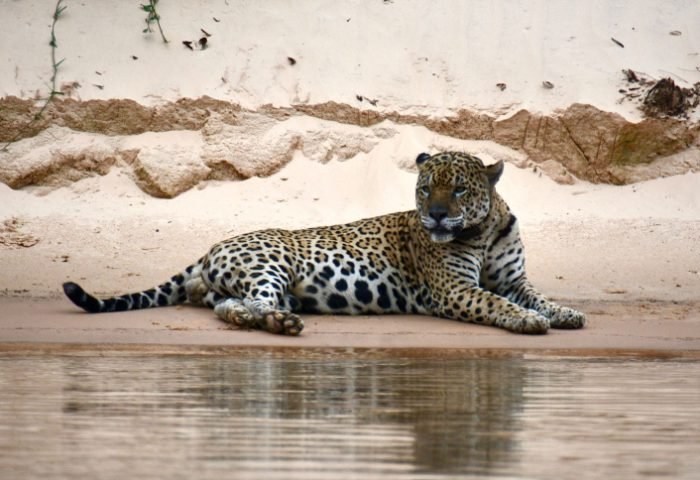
(457, 255)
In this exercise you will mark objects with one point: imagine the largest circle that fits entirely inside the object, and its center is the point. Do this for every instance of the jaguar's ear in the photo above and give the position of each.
(493, 172)
(421, 158)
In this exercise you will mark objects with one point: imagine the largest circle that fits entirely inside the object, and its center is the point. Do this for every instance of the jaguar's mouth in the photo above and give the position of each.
(442, 235)
(447, 229)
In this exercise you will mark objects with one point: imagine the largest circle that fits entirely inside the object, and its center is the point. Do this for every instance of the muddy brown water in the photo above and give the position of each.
(114, 417)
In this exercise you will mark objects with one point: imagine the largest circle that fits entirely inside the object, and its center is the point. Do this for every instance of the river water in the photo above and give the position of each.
(266, 417)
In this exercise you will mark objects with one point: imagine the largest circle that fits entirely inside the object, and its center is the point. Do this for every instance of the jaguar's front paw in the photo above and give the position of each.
(565, 317)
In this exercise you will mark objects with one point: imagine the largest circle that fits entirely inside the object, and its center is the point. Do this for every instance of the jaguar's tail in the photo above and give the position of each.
(172, 292)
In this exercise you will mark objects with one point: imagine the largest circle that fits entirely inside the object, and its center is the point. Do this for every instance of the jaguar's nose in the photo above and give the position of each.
(437, 213)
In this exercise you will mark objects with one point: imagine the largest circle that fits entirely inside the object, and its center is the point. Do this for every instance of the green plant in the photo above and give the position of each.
(53, 91)
(152, 17)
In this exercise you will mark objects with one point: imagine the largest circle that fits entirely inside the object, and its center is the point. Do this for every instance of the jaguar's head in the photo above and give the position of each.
(453, 194)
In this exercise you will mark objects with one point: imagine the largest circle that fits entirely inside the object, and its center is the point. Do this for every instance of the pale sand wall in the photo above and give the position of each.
(413, 56)
(355, 63)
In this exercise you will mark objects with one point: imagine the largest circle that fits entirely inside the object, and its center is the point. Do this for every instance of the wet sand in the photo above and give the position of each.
(54, 326)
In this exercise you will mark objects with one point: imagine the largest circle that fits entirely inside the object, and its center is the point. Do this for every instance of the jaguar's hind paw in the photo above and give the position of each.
(285, 323)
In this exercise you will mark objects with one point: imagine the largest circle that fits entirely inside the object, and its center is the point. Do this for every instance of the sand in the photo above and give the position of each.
(628, 256)
(640, 329)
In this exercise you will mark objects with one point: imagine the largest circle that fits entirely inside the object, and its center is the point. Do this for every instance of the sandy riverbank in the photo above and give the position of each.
(627, 256)
(337, 124)
(646, 329)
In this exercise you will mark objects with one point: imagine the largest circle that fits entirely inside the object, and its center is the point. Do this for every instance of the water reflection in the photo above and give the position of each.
(393, 418)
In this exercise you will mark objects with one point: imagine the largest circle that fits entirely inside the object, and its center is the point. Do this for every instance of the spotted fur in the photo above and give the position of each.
(457, 256)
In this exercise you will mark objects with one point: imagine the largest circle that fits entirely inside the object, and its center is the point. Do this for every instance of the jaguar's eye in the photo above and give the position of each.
(459, 191)
(424, 190)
